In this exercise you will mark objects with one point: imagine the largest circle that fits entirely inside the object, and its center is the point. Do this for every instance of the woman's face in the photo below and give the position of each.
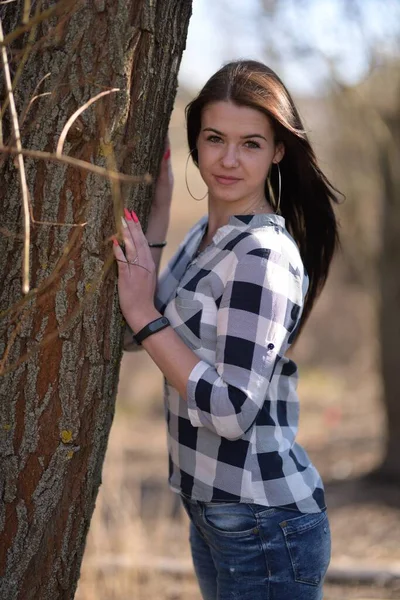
(236, 148)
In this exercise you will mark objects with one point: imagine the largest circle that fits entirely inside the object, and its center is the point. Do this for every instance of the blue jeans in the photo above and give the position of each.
(252, 552)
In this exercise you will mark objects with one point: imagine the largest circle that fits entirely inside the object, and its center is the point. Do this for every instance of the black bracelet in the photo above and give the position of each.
(150, 328)
(157, 244)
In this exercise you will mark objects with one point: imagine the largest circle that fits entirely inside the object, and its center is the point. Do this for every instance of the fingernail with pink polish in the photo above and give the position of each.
(115, 241)
(127, 214)
(167, 154)
(135, 217)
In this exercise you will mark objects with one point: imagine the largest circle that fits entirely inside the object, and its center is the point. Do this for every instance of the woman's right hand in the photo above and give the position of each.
(165, 181)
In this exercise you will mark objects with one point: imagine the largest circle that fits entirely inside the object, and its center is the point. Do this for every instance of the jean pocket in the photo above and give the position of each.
(308, 540)
(234, 519)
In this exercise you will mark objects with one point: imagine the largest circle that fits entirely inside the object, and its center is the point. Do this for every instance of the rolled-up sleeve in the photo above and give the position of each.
(260, 307)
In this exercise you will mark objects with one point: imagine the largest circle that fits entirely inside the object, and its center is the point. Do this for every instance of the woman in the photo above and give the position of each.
(227, 308)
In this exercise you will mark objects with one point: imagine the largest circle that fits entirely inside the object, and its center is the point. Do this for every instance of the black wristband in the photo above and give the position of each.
(150, 328)
(157, 244)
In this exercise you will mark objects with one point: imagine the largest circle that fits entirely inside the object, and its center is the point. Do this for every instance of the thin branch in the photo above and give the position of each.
(56, 223)
(52, 336)
(111, 163)
(16, 33)
(13, 311)
(24, 112)
(51, 223)
(21, 166)
(80, 164)
(35, 96)
(22, 119)
(27, 51)
(76, 115)
(32, 100)
(26, 13)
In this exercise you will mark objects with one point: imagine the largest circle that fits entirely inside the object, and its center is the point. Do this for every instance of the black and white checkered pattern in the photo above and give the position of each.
(237, 306)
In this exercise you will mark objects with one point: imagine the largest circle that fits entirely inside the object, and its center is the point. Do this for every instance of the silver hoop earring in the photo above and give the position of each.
(277, 204)
(278, 212)
(186, 180)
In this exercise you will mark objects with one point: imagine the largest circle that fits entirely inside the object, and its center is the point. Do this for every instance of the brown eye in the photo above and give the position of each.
(254, 145)
(213, 138)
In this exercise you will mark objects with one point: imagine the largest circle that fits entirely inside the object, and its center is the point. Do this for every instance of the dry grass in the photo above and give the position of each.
(137, 546)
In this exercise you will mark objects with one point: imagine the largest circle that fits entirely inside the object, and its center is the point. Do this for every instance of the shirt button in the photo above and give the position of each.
(271, 346)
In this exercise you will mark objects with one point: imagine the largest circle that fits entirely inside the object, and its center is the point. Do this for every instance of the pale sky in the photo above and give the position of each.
(218, 34)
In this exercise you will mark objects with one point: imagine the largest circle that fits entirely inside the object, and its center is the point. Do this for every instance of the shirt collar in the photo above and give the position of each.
(244, 222)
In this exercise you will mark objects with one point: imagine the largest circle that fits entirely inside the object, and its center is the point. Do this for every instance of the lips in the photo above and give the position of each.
(226, 180)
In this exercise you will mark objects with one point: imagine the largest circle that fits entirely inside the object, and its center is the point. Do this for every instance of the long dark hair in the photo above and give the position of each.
(307, 195)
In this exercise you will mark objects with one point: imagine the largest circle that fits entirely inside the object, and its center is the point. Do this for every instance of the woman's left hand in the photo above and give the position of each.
(136, 275)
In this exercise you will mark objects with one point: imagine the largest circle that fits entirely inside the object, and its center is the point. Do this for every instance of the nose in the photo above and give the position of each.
(230, 156)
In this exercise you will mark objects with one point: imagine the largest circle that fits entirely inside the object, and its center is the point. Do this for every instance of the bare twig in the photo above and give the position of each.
(25, 56)
(108, 151)
(76, 114)
(52, 336)
(80, 164)
(35, 96)
(46, 14)
(27, 10)
(32, 100)
(56, 223)
(13, 311)
(21, 166)
(52, 223)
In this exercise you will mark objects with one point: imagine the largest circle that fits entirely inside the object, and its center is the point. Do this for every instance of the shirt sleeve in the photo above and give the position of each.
(260, 307)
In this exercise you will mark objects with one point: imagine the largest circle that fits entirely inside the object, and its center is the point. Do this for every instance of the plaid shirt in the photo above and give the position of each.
(237, 305)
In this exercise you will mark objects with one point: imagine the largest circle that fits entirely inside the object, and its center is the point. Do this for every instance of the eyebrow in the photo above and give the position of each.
(243, 137)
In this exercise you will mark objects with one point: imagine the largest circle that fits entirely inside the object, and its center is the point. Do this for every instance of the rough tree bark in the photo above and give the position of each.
(56, 408)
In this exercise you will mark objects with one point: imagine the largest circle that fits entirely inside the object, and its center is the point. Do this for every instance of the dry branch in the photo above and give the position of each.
(93, 287)
(76, 114)
(43, 16)
(21, 166)
(35, 96)
(80, 164)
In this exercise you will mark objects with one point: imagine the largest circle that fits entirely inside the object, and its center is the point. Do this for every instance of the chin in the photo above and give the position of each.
(228, 194)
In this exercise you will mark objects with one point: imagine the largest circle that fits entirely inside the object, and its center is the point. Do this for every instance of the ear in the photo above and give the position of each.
(279, 152)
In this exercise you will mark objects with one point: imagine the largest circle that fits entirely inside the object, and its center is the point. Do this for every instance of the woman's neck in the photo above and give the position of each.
(220, 212)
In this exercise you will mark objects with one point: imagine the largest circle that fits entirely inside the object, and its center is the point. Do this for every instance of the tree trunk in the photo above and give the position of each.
(56, 406)
(390, 301)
